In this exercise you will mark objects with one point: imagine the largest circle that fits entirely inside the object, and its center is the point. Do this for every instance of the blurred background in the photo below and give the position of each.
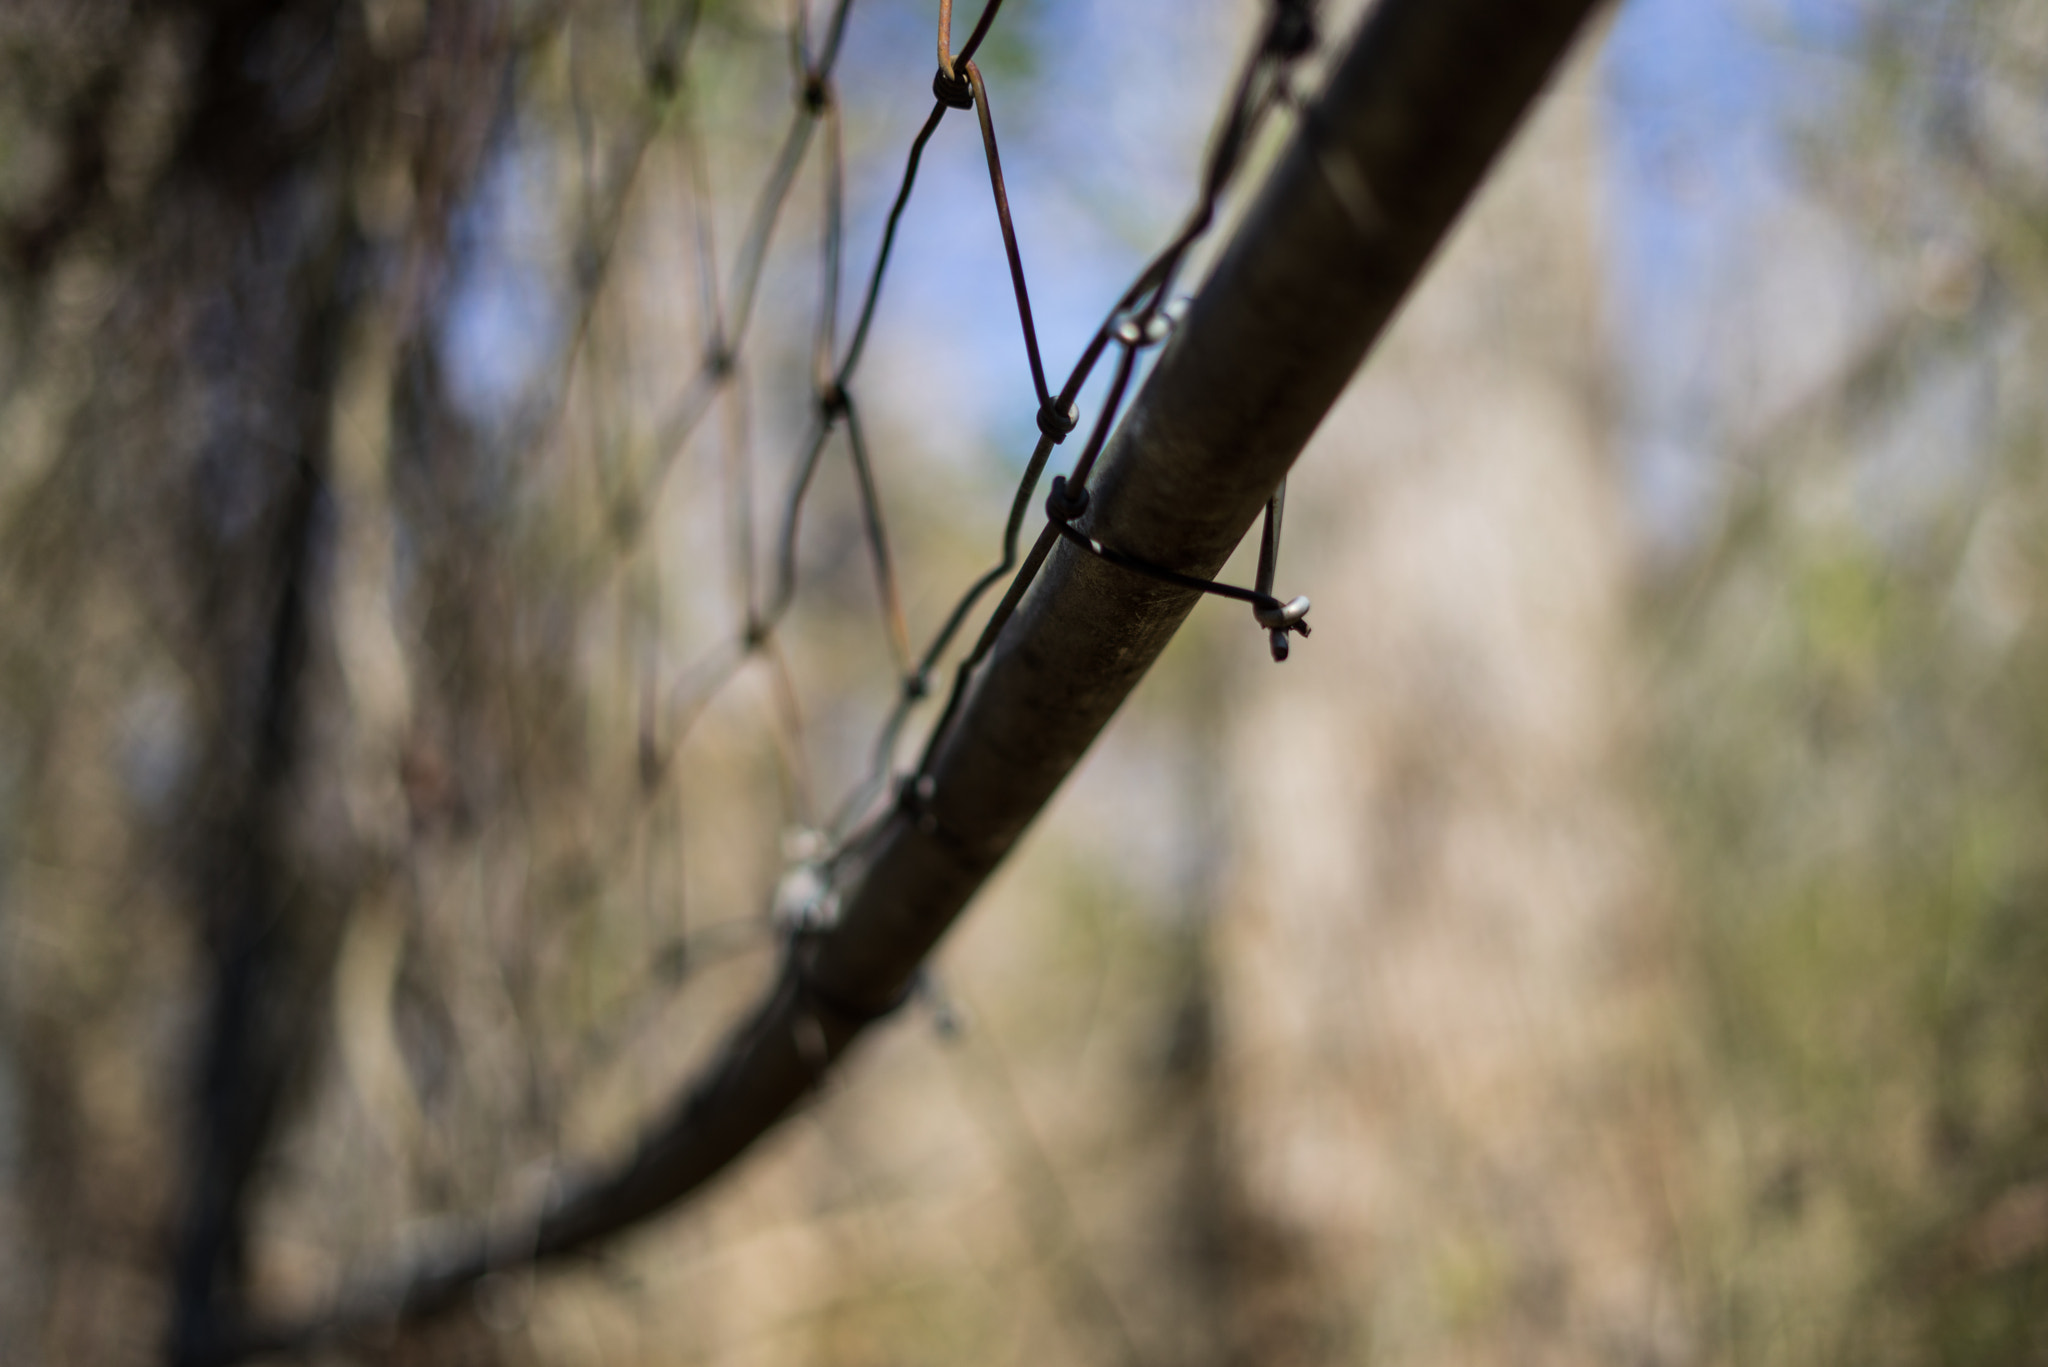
(1617, 936)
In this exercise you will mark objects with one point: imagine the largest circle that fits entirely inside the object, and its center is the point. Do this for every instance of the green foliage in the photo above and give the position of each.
(1853, 730)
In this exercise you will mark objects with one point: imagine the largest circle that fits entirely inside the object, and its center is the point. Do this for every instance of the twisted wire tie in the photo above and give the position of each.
(1293, 30)
(954, 92)
(1065, 503)
(1057, 422)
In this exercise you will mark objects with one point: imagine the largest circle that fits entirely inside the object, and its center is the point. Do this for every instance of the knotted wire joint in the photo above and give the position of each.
(1063, 504)
(1056, 422)
(1292, 33)
(833, 401)
(1279, 619)
(1066, 503)
(954, 92)
(1146, 327)
(817, 93)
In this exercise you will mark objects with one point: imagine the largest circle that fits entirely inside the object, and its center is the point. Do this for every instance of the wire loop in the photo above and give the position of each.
(1065, 503)
(1056, 421)
(953, 91)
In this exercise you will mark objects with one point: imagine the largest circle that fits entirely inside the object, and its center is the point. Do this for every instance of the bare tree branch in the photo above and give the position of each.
(1418, 109)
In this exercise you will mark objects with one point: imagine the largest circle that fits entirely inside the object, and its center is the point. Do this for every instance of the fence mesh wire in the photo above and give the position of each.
(548, 670)
(1137, 320)
(763, 589)
(474, 521)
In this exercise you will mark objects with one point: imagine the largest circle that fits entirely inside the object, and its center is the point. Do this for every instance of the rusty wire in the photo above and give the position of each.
(833, 400)
(1139, 319)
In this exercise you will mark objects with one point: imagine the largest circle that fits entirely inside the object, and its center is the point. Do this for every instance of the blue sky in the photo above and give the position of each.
(1103, 110)
(1702, 100)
